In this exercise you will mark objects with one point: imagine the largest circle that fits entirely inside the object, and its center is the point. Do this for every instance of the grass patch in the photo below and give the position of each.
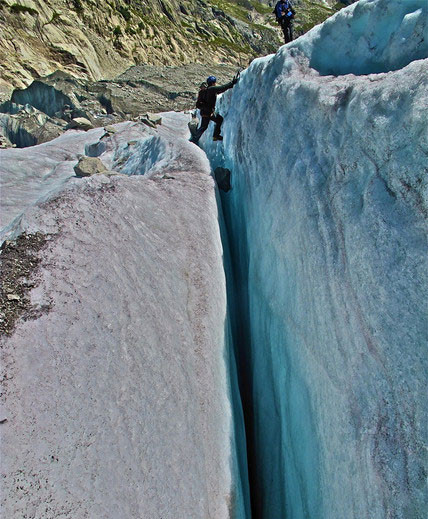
(125, 12)
(311, 14)
(130, 30)
(17, 9)
(262, 8)
(222, 42)
(232, 9)
(77, 5)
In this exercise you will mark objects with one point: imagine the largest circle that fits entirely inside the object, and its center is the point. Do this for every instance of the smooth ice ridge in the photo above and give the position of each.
(327, 226)
(368, 37)
(120, 401)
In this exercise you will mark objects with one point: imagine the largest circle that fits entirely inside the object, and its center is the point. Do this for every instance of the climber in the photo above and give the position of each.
(206, 103)
(284, 13)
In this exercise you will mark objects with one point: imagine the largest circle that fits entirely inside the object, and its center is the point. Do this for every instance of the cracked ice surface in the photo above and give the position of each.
(117, 399)
(29, 177)
(328, 214)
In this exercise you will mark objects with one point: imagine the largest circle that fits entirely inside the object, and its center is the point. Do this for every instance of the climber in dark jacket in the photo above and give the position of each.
(207, 108)
(284, 13)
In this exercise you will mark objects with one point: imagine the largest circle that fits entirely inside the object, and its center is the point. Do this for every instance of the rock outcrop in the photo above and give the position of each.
(42, 111)
(79, 123)
(99, 40)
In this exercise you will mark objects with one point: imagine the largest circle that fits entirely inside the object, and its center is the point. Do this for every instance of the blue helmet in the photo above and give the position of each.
(211, 80)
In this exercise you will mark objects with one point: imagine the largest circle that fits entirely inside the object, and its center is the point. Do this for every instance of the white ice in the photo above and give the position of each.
(328, 226)
(118, 398)
(30, 175)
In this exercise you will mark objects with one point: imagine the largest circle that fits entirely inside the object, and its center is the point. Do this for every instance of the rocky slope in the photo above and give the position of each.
(46, 108)
(100, 40)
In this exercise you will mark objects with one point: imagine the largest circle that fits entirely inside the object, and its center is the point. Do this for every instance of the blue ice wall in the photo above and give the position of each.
(327, 222)
(370, 36)
(241, 492)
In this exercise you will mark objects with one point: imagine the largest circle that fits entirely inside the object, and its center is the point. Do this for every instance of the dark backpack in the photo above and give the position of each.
(201, 102)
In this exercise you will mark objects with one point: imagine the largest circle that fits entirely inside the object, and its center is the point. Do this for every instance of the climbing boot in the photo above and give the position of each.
(218, 138)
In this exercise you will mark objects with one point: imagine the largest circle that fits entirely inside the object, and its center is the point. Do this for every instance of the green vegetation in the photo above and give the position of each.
(310, 14)
(222, 42)
(240, 8)
(232, 9)
(17, 8)
(262, 8)
(159, 21)
(130, 30)
(77, 5)
(117, 31)
(125, 12)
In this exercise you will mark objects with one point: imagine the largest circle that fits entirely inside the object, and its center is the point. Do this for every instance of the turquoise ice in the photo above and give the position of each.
(327, 141)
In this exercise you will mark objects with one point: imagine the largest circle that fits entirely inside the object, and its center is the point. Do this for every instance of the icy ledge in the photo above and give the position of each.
(327, 219)
(370, 36)
(117, 399)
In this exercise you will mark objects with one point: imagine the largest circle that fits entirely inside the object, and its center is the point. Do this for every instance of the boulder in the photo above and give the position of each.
(110, 129)
(88, 166)
(80, 123)
(151, 120)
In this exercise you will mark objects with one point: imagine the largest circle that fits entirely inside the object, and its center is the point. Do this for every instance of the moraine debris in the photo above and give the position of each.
(19, 260)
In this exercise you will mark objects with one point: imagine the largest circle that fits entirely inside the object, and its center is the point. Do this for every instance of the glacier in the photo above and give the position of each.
(327, 141)
(120, 398)
(201, 350)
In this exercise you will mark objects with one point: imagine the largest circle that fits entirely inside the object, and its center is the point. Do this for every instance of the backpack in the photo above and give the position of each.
(289, 10)
(202, 96)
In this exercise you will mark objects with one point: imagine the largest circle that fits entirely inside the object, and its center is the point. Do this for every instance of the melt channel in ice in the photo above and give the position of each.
(327, 141)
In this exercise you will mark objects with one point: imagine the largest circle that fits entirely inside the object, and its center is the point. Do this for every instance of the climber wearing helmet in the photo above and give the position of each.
(284, 13)
(206, 103)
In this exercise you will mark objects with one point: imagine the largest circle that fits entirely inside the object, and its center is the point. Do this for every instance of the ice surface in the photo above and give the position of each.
(118, 399)
(327, 218)
(370, 36)
(30, 175)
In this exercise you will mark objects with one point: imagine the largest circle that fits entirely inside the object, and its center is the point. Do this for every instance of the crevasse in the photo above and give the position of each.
(327, 282)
